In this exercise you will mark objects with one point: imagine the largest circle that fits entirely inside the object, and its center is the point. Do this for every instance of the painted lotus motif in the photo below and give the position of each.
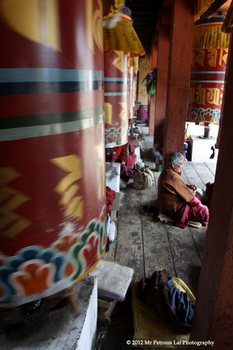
(35, 270)
(113, 135)
(204, 115)
(32, 271)
(91, 246)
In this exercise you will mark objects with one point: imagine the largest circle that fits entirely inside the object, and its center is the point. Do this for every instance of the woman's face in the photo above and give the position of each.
(178, 167)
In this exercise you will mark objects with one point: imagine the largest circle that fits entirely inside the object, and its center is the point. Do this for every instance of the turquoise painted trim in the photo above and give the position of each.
(124, 93)
(13, 75)
(47, 130)
(208, 81)
(210, 72)
(123, 80)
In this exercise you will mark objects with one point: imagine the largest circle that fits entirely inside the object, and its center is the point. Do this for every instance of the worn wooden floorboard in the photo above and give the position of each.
(184, 254)
(199, 237)
(192, 176)
(130, 198)
(129, 247)
(157, 249)
(204, 172)
(212, 166)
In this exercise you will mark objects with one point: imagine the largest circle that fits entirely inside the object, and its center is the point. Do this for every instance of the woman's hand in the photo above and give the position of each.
(193, 188)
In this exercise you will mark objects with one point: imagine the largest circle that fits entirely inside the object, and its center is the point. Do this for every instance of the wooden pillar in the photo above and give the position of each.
(162, 75)
(214, 310)
(178, 74)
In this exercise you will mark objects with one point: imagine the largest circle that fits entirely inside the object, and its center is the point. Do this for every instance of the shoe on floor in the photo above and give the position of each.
(166, 219)
(194, 224)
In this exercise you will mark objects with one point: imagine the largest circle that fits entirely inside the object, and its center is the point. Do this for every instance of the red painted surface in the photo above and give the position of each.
(207, 78)
(162, 76)
(179, 75)
(38, 179)
(72, 24)
(18, 105)
(52, 166)
(206, 89)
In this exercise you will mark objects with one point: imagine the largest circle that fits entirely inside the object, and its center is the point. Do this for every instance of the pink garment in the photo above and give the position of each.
(142, 114)
(198, 213)
(195, 201)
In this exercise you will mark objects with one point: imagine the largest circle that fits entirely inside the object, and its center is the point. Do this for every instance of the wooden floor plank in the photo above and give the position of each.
(130, 247)
(204, 172)
(199, 237)
(156, 247)
(148, 196)
(130, 198)
(212, 166)
(192, 176)
(186, 260)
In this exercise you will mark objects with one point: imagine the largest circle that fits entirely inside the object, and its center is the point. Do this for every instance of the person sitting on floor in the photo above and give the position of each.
(176, 199)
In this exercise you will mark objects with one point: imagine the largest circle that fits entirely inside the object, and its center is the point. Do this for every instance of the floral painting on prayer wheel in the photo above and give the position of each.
(52, 166)
(116, 98)
(210, 49)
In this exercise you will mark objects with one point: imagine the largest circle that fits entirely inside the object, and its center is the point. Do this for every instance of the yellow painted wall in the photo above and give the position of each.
(143, 71)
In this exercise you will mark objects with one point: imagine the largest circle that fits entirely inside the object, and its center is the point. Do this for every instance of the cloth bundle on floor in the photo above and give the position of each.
(148, 327)
(142, 179)
(174, 305)
(163, 309)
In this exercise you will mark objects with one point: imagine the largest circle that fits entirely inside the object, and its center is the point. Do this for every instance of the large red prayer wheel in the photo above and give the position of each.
(52, 180)
(116, 98)
(209, 60)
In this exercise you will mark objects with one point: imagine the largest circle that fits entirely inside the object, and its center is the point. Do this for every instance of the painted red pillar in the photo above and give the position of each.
(214, 309)
(178, 74)
(52, 172)
(162, 76)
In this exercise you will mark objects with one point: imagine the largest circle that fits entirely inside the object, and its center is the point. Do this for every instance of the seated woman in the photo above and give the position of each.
(176, 199)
